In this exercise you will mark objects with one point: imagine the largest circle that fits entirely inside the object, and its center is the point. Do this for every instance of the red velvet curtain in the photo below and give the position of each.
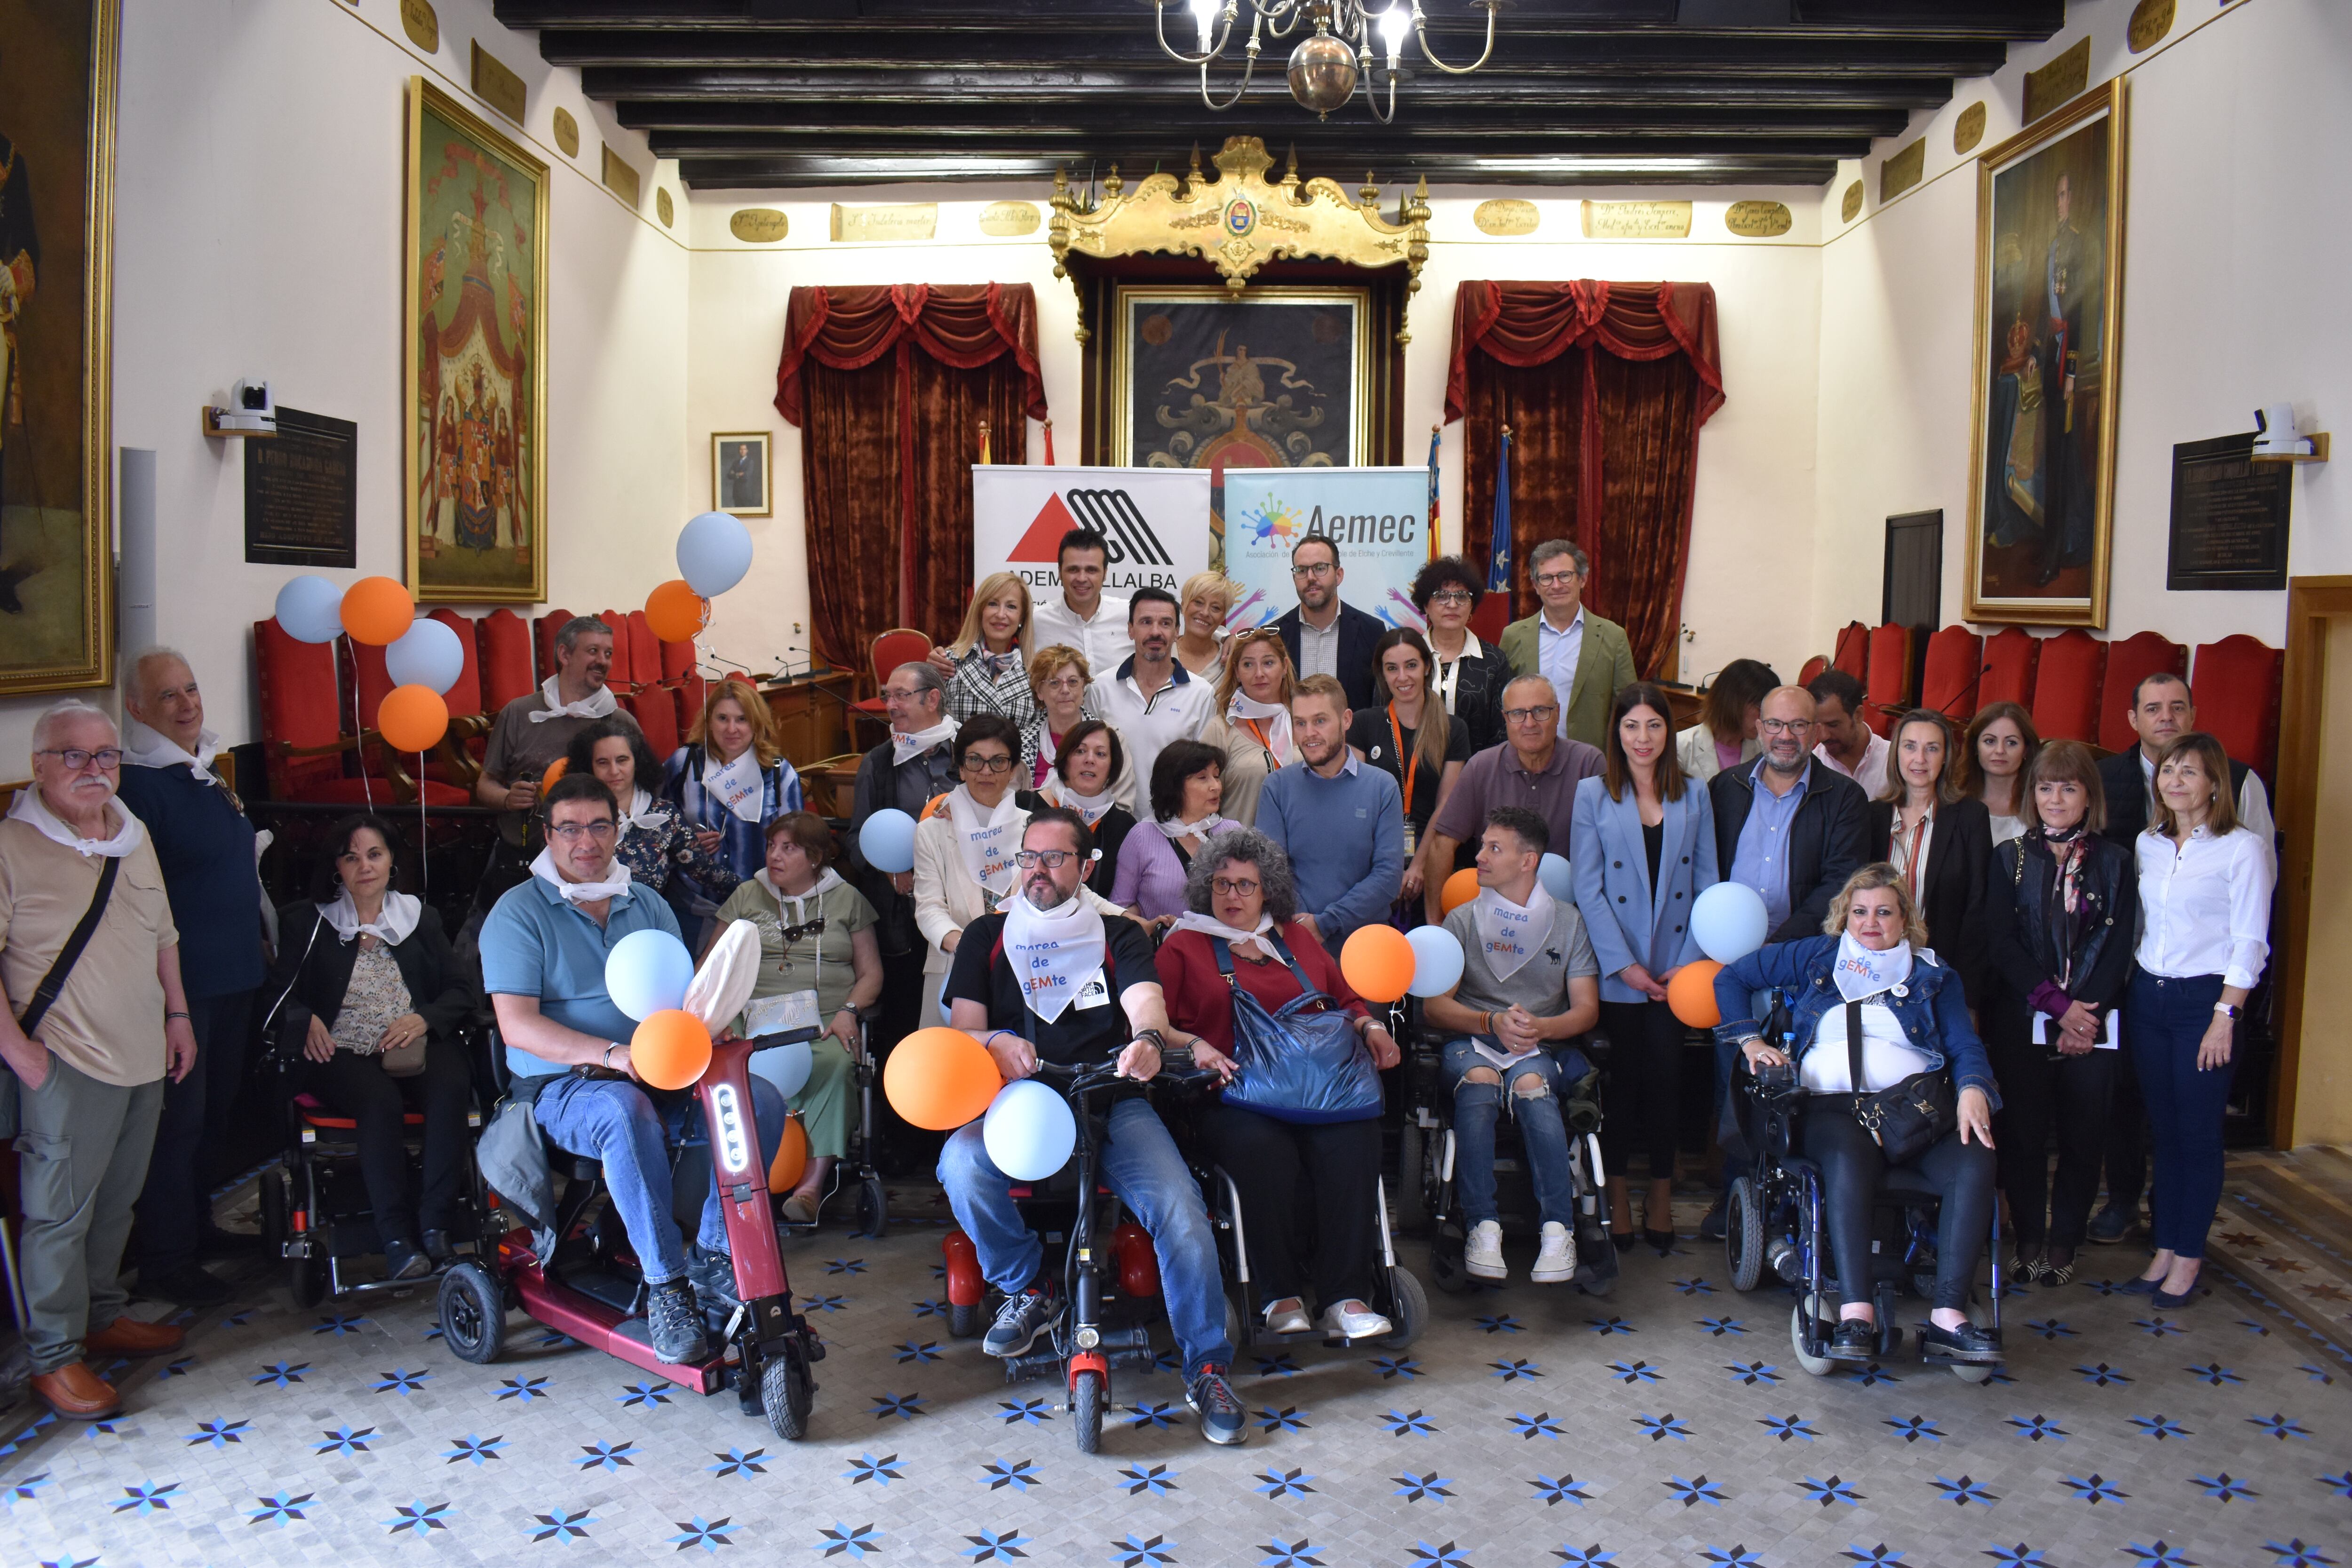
(1604, 386)
(889, 386)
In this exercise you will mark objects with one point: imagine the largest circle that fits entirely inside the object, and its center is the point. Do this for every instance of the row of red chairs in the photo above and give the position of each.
(2077, 686)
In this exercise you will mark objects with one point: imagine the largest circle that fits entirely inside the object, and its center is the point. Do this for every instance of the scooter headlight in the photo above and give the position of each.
(729, 1138)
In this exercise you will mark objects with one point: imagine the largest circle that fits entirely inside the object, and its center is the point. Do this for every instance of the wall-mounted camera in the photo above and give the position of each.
(251, 411)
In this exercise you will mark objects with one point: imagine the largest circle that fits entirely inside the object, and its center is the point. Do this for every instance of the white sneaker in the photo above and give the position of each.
(1482, 1254)
(1557, 1261)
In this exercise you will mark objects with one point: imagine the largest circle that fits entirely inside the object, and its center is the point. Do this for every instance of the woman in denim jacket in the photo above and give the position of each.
(1915, 1019)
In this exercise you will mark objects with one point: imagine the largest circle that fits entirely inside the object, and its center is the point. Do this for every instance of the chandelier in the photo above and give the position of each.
(1326, 66)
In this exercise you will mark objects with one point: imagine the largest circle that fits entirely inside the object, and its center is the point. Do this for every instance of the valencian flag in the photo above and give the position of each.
(1434, 431)
(1498, 561)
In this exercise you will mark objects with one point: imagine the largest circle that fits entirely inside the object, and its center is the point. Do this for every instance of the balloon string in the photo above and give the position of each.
(359, 730)
(424, 842)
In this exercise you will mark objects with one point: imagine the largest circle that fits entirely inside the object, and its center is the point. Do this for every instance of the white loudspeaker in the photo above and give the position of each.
(134, 621)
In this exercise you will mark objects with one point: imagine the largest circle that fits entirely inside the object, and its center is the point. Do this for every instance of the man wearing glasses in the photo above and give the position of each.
(1533, 768)
(543, 951)
(1325, 635)
(1585, 656)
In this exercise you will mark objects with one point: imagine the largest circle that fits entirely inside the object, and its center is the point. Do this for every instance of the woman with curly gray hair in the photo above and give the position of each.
(1241, 905)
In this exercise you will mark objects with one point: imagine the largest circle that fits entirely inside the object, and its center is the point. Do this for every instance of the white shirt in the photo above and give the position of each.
(1318, 647)
(2005, 828)
(2253, 809)
(1449, 670)
(1145, 726)
(2204, 907)
(1558, 653)
(1103, 639)
(1888, 1056)
(1872, 774)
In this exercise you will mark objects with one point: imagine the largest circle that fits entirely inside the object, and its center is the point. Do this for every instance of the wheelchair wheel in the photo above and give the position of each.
(963, 1322)
(1412, 1178)
(873, 1209)
(1086, 1409)
(786, 1392)
(1743, 1235)
(1408, 1308)
(306, 1277)
(473, 1313)
(1808, 1307)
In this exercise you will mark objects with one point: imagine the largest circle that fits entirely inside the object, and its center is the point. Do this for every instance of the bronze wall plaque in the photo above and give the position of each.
(302, 493)
(906, 220)
(665, 206)
(1507, 216)
(1902, 171)
(1850, 208)
(621, 177)
(2229, 517)
(423, 26)
(758, 226)
(567, 132)
(1010, 220)
(1969, 128)
(497, 86)
(1637, 220)
(2063, 80)
(1758, 220)
(2150, 21)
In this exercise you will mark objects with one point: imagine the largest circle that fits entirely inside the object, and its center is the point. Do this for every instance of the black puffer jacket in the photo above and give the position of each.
(2023, 952)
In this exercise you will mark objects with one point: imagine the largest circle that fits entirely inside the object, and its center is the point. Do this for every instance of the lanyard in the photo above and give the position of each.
(1396, 738)
(1257, 729)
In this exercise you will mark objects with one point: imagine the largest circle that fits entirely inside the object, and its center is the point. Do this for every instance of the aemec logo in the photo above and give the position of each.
(1111, 513)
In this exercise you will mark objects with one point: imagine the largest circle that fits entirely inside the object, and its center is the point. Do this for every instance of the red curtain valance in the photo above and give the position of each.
(1524, 324)
(962, 324)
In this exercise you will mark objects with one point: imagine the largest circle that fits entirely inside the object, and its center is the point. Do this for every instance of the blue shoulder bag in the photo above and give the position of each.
(1304, 1063)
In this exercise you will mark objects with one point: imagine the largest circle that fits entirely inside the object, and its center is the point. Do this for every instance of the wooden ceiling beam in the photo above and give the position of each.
(797, 172)
(966, 121)
(1071, 141)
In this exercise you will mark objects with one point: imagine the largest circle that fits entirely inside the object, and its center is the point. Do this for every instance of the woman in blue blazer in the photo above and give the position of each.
(1644, 842)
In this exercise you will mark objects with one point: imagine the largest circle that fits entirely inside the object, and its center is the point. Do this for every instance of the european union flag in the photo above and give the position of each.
(1498, 561)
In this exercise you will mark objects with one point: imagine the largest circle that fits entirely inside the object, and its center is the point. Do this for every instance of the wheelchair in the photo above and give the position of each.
(1397, 1294)
(1775, 1221)
(857, 1165)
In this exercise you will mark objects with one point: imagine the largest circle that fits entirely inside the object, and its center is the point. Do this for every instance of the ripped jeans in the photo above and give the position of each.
(1542, 1134)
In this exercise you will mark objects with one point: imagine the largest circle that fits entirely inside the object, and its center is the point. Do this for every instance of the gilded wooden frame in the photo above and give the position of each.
(762, 442)
(2106, 103)
(419, 422)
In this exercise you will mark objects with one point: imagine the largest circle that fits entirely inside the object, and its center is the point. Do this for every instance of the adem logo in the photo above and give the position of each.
(1111, 513)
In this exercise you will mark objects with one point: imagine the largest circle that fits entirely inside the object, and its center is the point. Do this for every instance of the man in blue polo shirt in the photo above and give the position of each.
(543, 950)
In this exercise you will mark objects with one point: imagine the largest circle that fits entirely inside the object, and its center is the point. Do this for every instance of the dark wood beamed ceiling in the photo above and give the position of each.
(753, 94)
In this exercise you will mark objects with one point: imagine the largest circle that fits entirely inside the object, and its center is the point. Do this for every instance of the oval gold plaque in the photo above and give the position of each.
(1850, 208)
(1969, 129)
(423, 25)
(758, 226)
(665, 207)
(2150, 21)
(567, 133)
(1008, 220)
(1507, 216)
(1758, 220)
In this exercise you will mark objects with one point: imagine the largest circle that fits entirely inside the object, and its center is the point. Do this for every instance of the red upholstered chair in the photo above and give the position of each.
(303, 743)
(543, 635)
(2129, 662)
(362, 662)
(507, 672)
(1812, 667)
(1948, 682)
(643, 650)
(2235, 684)
(893, 647)
(2010, 655)
(465, 697)
(1852, 653)
(1888, 686)
(2067, 688)
(655, 708)
(676, 660)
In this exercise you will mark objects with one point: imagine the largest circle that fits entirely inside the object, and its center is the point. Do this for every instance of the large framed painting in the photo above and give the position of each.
(57, 250)
(475, 381)
(2050, 277)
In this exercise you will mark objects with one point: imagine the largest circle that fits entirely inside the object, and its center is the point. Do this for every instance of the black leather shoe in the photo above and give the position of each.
(2112, 1224)
(1969, 1342)
(1711, 1228)
(401, 1261)
(437, 1247)
(1855, 1339)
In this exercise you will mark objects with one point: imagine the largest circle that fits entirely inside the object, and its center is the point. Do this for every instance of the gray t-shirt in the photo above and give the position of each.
(520, 748)
(1540, 984)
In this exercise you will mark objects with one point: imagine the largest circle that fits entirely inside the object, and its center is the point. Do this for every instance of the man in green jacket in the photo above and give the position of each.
(1585, 657)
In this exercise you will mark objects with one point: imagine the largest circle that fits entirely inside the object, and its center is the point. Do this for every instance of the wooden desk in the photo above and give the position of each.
(812, 713)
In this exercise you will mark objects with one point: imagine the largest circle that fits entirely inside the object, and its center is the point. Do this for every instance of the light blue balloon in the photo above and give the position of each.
(1729, 922)
(647, 972)
(1436, 960)
(310, 609)
(427, 654)
(888, 840)
(786, 1066)
(1028, 1130)
(714, 551)
(1553, 871)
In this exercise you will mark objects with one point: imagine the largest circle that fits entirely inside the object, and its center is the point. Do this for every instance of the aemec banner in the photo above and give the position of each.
(1375, 517)
(1156, 521)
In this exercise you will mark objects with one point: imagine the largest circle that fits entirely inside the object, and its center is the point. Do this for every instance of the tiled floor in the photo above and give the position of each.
(1531, 1426)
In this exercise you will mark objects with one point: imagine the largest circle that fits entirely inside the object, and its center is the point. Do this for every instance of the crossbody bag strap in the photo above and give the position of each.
(1853, 1047)
(54, 981)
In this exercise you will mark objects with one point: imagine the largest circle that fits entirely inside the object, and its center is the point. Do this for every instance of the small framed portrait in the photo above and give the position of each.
(738, 473)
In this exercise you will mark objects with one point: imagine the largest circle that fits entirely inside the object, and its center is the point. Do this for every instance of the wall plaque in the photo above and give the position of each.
(1010, 220)
(1758, 220)
(1902, 171)
(665, 206)
(1637, 220)
(1850, 208)
(908, 220)
(418, 20)
(2229, 517)
(1507, 216)
(621, 177)
(758, 226)
(302, 493)
(1969, 128)
(2061, 81)
(567, 132)
(2150, 21)
(497, 86)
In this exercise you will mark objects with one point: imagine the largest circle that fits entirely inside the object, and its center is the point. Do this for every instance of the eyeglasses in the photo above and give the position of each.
(1449, 597)
(1052, 860)
(76, 759)
(1233, 888)
(989, 764)
(1558, 579)
(905, 695)
(1784, 726)
(1529, 715)
(1065, 683)
(571, 832)
(1319, 569)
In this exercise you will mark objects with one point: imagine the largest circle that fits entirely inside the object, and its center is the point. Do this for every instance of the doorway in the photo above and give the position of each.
(2313, 1100)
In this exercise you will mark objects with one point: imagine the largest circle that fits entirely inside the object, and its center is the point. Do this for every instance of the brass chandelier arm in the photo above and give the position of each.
(1159, 22)
(1248, 71)
(1421, 36)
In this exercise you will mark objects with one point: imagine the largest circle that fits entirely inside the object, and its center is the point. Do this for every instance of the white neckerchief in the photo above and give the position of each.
(1203, 829)
(616, 885)
(1243, 940)
(1093, 808)
(146, 748)
(29, 808)
(1244, 706)
(1863, 973)
(1449, 670)
(987, 844)
(825, 882)
(393, 925)
(737, 786)
(1510, 933)
(598, 704)
(643, 811)
(905, 748)
(1053, 952)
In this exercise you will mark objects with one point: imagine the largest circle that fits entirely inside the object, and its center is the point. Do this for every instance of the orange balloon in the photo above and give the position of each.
(676, 612)
(792, 1156)
(1690, 993)
(378, 610)
(1377, 962)
(670, 1049)
(555, 769)
(413, 718)
(1459, 889)
(940, 1079)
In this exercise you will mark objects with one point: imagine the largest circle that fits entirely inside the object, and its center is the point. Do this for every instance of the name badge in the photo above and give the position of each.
(1094, 992)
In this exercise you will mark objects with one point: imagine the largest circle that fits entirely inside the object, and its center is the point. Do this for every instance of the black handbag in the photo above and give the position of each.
(1907, 1119)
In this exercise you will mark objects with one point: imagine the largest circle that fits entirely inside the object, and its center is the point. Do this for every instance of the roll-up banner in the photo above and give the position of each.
(1376, 517)
(1156, 521)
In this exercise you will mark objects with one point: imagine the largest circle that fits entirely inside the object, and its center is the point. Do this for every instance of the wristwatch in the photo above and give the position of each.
(2226, 1009)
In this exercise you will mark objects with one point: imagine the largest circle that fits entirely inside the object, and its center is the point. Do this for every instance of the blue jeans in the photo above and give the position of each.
(632, 1134)
(1542, 1134)
(1140, 1163)
(2169, 1019)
